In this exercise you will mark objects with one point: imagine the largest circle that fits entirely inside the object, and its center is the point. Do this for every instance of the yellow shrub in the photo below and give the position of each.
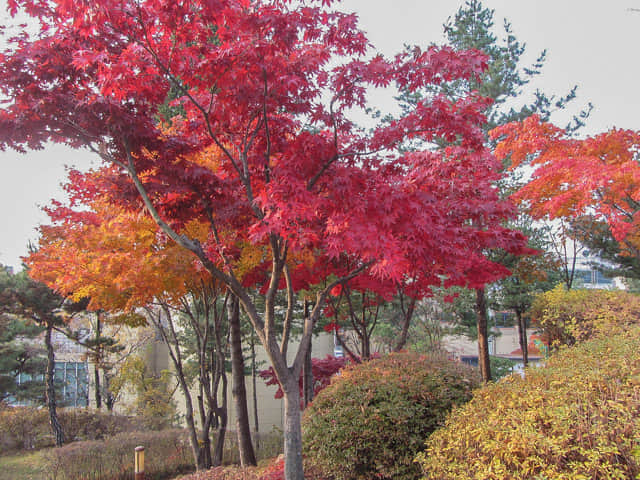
(566, 317)
(576, 418)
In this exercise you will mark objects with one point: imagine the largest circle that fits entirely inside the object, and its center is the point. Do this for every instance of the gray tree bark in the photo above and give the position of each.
(483, 335)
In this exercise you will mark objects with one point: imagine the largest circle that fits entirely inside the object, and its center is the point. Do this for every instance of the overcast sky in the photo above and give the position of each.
(590, 43)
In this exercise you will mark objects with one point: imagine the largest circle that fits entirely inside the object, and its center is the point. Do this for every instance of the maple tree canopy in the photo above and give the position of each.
(238, 114)
(251, 79)
(597, 175)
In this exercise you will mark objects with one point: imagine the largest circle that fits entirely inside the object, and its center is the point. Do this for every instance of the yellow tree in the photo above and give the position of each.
(119, 260)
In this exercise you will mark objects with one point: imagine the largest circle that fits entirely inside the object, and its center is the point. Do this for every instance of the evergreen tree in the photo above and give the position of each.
(22, 360)
(472, 27)
(531, 275)
(606, 254)
(35, 302)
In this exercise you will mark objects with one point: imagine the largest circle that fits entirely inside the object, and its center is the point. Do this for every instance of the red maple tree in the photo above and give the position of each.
(269, 86)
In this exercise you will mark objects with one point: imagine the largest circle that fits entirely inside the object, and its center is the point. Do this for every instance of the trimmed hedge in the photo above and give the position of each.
(373, 418)
(576, 418)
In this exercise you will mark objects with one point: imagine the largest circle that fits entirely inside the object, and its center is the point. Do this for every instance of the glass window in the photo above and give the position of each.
(72, 385)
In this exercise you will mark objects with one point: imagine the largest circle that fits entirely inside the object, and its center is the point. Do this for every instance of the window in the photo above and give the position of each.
(72, 384)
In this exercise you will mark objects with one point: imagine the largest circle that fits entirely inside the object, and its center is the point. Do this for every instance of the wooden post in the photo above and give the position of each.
(139, 463)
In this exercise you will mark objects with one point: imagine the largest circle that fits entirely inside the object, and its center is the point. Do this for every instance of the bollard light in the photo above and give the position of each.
(139, 463)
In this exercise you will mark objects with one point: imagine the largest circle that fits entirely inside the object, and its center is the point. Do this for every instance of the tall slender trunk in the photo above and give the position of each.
(522, 337)
(365, 342)
(239, 391)
(176, 358)
(96, 369)
(98, 393)
(205, 458)
(106, 388)
(293, 468)
(407, 315)
(199, 457)
(205, 438)
(50, 391)
(254, 384)
(307, 369)
(221, 431)
(220, 411)
(307, 379)
(483, 335)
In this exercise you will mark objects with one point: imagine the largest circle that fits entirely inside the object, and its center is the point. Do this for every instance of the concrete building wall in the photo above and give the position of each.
(500, 345)
(270, 409)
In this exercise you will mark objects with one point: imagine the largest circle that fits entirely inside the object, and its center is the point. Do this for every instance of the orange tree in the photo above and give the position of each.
(120, 261)
(597, 176)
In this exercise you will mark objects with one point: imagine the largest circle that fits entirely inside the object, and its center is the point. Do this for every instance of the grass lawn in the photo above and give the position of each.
(23, 466)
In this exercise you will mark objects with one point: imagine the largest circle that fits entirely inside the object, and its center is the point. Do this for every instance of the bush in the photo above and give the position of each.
(271, 470)
(373, 418)
(83, 424)
(569, 316)
(27, 428)
(23, 428)
(166, 454)
(267, 445)
(576, 418)
(501, 367)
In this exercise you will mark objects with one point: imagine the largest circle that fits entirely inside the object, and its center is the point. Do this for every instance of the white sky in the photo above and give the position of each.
(590, 43)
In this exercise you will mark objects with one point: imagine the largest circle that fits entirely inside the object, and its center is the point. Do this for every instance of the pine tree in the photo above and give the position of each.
(37, 303)
(22, 360)
(503, 82)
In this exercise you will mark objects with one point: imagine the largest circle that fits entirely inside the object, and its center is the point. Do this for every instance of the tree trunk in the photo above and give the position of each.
(205, 457)
(239, 391)
(407, 315)
(199, 457)
(307, 369)
(254, 376)
(483, 335)
(366, 344)
(98, 358)
(307, 379)
(176, 358)
(293, 468)
(50, 392)
(106, 388)
(221, 431)
(98, 393)
(522, 336)
(220, 411)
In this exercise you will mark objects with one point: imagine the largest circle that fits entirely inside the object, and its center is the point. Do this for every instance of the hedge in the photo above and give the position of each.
(576, 418)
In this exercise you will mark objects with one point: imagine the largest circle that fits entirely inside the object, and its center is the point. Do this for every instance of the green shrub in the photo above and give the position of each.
(153, 404)
(501, 367)
(569, 316)
(576, 418)
(373, 418)
(166, 454)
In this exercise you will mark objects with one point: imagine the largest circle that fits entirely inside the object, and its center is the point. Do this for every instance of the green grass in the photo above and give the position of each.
(23, 466)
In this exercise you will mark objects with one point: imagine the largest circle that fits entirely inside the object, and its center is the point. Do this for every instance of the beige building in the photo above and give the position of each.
(74, 368)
